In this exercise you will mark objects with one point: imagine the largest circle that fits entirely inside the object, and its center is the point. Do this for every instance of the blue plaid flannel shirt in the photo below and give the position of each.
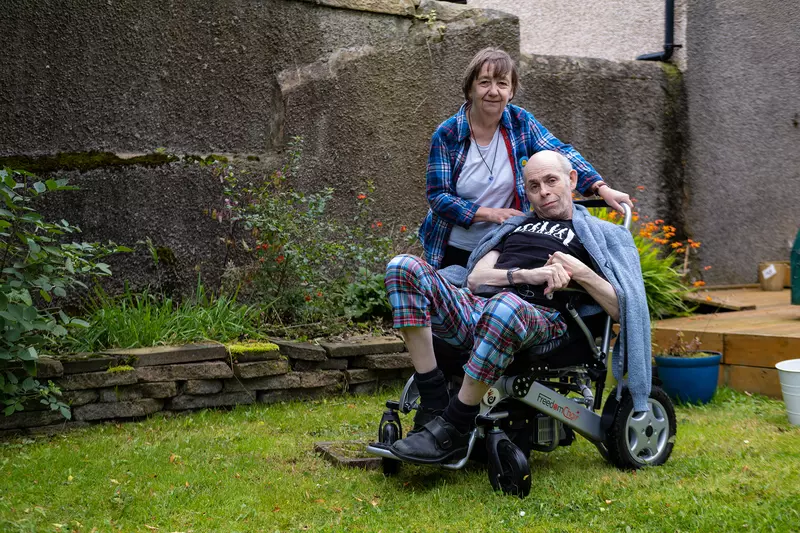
(523, 136)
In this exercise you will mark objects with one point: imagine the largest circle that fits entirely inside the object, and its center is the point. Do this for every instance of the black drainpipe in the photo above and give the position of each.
(669, 45)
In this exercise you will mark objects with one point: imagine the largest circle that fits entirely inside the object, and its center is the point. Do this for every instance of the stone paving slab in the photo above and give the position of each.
(384, 361)
(187, 401)
(360, 375)
(79, 397)
(202, 386)
(27, 419)
(207, 370)
(250, 356)
(372, 345)
(86, 362)
(101, 411)
(260, 369)
(284, 381)
(96, 380)
(301, 350)
(48, 367)
(162, 389)
(168, 355)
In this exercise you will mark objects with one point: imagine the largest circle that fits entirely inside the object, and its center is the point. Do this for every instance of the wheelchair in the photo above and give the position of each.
(549, 393)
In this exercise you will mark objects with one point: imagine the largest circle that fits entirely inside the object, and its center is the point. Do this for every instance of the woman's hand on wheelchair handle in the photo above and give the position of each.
(614, 198)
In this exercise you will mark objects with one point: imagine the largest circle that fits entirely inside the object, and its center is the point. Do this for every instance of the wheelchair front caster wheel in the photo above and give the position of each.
(515, 478)
(389, 434)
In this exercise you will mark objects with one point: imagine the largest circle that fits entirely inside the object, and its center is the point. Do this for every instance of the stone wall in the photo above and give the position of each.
(126, 384)
(365, 88)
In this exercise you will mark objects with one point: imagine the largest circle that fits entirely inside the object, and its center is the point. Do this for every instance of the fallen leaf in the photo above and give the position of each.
(151, 528)
(114, 481)
(337, 509)
(319, 500)
(276, 509)
(609, 502)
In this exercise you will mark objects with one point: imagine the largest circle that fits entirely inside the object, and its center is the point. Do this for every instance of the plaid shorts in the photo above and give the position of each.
(491, 328)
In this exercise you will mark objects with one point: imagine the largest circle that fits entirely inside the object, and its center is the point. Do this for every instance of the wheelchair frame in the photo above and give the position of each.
(628, 439)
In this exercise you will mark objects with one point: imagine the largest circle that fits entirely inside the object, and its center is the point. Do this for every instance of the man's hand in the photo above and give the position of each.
(614, 198)
(554, 275)
(496, 215)
(576, 269)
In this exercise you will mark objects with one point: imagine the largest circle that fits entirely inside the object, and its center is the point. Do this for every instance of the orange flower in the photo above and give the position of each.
(699, 283)
(640, 188)
(680, 250)
(676, 245)
(307, 297)
(658, 221)
(707, 267)
(361, 196)
(695, 245)
(319, 294)
(403, 229)
(379, 224)
(280, 259)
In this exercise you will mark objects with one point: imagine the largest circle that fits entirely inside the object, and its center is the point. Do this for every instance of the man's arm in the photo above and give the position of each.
(554, 276)
(597, 287)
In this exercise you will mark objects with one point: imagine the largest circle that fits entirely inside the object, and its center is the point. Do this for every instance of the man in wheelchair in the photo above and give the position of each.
(509, 305)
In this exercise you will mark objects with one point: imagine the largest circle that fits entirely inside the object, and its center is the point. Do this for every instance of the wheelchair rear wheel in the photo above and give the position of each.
(515, 479)
(389, 434)
(636, 440)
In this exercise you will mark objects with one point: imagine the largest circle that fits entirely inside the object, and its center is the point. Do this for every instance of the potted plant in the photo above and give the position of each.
(688, 374)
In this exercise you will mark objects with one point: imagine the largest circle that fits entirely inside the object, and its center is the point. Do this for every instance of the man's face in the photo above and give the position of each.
(549, 187)
(490, 94)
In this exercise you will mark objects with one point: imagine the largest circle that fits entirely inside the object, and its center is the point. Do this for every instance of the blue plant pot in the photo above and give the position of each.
(689, 380)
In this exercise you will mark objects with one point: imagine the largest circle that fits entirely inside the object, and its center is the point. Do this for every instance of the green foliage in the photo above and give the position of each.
(37, 268)
(366, 296)
(663, 284)
(135, 320)
(303, 258)
(119, 369)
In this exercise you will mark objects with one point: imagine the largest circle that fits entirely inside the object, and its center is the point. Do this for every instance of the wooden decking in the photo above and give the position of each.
(751, 341)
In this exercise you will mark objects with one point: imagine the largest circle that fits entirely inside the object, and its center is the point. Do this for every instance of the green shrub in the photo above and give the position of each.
(303, 259)
(664, 285)
(366, 297)
(37, 269)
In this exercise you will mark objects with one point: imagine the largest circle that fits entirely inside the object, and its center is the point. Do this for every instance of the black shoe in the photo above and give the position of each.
(422, 417)
(437, 442)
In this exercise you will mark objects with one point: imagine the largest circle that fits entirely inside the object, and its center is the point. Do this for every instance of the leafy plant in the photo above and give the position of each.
(304, 259)
(664, 285)
(680, 347)
(366, 297)
(36, 269)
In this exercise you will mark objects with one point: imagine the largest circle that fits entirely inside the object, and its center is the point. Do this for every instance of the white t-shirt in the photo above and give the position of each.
(474, 184)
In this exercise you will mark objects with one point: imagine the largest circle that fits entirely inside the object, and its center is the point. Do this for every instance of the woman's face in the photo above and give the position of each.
(490, 94)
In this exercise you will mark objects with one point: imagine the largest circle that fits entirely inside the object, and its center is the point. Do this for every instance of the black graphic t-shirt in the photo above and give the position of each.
(530, 245)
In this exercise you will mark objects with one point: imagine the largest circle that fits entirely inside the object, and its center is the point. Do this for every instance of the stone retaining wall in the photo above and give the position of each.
(124, 384)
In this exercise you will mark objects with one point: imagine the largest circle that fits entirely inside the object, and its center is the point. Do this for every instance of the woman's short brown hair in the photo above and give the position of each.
(501, 64)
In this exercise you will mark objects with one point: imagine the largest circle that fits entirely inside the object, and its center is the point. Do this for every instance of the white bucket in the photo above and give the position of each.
(789, 374)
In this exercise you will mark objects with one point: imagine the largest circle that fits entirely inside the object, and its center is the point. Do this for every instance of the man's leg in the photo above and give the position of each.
(507, 324)
(424, 303)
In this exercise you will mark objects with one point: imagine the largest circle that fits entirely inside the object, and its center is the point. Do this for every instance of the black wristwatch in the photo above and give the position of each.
(510, 276)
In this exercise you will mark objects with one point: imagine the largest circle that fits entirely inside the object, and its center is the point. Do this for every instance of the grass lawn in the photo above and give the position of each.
(736, 466)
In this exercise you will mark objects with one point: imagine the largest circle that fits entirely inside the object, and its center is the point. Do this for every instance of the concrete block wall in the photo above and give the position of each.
(129, 384)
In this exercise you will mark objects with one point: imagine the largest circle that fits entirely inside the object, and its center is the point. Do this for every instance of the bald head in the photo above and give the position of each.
(549, 181)
(550, 157)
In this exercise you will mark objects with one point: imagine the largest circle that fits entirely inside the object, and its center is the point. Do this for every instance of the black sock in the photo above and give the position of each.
(461, 415)
(432, 389)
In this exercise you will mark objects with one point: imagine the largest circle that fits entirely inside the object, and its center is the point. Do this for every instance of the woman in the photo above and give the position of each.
(474, 175)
